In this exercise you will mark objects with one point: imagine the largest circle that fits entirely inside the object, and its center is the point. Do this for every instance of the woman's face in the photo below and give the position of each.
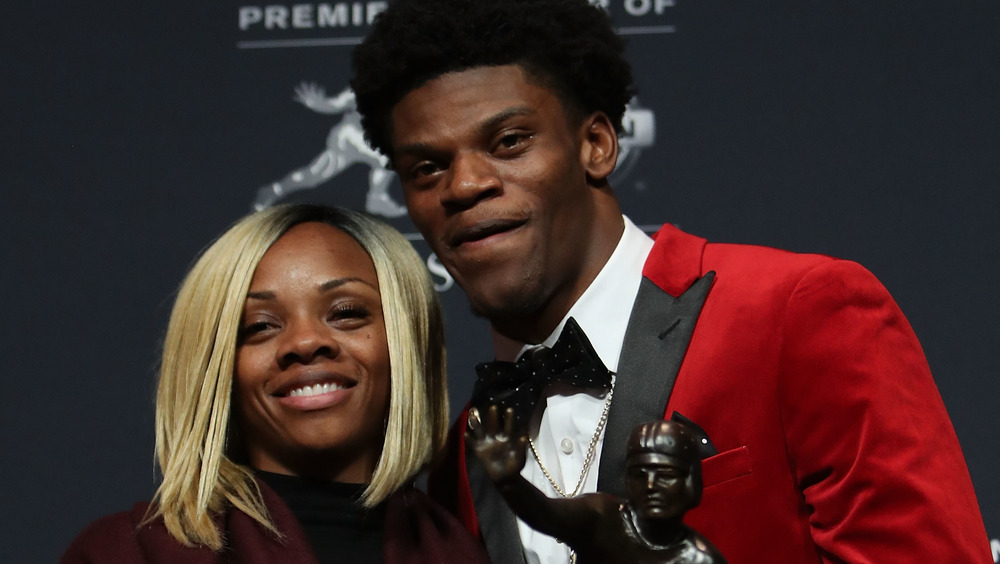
(312, 363)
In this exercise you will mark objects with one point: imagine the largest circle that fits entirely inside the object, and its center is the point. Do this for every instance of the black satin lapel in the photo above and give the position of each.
(659, 330)
(496, 520)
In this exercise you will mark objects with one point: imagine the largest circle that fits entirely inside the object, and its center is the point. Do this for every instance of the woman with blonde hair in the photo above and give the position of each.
(302, 387)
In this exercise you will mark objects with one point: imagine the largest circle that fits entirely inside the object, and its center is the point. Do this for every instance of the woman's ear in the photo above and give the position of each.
(599, 147)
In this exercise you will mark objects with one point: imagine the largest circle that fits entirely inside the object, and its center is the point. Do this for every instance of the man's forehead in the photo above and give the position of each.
(483, 85)
(473, 100)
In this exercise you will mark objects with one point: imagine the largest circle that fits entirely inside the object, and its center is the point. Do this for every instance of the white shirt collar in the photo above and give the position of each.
(602, 310)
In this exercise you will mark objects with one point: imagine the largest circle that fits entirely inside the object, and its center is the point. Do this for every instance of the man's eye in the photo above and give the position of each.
(425, 168)
(512, 140)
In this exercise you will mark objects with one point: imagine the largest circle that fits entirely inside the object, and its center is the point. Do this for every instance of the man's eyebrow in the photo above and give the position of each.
(484, 128)
(493, 122)
(413, 149)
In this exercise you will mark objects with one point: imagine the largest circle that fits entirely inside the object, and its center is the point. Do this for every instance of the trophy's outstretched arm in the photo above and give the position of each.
(503, 456)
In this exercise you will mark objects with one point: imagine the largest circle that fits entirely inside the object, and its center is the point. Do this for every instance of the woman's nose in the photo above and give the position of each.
(303, 341)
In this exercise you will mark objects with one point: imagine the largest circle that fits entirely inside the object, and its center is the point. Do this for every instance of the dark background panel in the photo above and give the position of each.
(133, 134)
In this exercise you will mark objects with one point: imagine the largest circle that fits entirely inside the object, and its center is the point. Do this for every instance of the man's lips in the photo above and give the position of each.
(482, 230)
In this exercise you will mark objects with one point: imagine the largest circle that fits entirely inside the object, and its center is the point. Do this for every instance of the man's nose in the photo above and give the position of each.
(473, 179)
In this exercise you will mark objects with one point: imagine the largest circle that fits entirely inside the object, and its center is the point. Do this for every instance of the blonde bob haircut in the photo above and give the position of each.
(202, 475)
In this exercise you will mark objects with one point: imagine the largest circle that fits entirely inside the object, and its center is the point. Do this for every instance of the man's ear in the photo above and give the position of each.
(599, 147)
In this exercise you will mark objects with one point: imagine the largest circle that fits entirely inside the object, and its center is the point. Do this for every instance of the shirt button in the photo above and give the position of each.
(566, 445)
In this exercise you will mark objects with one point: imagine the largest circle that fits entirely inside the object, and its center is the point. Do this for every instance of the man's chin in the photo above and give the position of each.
(503, 300)
(502, 313)
(519, 309)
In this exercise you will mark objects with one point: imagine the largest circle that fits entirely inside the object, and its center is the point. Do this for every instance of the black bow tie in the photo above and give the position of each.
(519, 385)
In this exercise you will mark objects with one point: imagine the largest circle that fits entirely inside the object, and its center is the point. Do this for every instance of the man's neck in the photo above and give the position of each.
(534, 328)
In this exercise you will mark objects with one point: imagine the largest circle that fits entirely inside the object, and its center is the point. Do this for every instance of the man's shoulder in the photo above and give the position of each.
(678, 258)
(759, 257)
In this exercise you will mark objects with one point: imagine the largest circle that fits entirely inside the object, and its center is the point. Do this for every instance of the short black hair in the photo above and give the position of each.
(568, 46)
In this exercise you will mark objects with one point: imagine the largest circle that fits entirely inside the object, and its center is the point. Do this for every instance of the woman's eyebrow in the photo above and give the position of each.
(331, 284)
(263, 295)
(324, 287)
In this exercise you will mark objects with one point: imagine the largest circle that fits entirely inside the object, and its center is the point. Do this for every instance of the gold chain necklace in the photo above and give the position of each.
(590, 450)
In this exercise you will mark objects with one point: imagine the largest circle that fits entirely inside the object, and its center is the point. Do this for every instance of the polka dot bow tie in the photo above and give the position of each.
(519, 385)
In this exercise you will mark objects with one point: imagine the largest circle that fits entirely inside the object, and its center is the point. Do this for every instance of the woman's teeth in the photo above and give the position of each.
(314, 390)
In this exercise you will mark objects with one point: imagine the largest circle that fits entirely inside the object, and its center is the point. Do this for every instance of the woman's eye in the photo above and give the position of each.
(348, 312)
(251, 329)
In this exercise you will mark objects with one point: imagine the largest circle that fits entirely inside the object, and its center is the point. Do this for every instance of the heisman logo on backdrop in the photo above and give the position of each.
(345, 147)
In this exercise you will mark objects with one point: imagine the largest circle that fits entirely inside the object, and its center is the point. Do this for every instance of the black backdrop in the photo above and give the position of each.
(135, 133)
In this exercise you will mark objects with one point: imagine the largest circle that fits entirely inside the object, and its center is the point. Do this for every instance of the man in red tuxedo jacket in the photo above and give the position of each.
(825, 437)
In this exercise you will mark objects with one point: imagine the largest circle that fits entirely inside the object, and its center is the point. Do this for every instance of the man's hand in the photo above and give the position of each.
(503, 455)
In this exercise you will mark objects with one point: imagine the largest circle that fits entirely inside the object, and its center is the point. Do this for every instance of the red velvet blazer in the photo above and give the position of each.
(834, 444)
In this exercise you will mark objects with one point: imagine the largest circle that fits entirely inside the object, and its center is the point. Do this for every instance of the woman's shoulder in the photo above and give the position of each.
(111, 538)
(130, 538)
(419, 530)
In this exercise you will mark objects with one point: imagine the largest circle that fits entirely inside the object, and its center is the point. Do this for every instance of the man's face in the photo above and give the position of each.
(495, 177)
(657, 486)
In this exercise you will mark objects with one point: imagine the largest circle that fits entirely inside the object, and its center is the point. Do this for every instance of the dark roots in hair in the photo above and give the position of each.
(568, 46)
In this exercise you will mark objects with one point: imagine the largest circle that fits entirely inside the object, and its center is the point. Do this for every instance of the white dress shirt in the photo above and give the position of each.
(568, 422)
